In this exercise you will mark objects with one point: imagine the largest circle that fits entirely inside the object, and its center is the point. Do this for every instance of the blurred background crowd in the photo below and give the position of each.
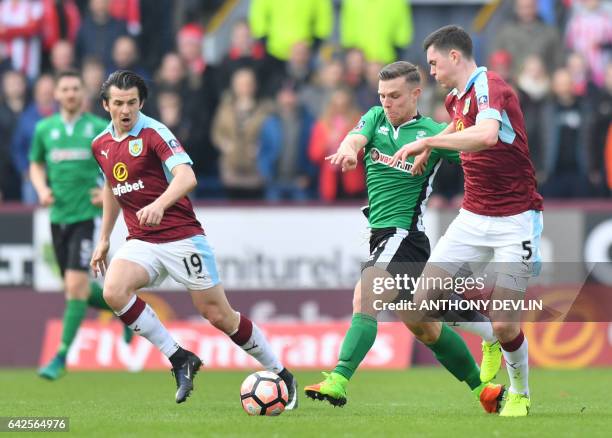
(259, 106)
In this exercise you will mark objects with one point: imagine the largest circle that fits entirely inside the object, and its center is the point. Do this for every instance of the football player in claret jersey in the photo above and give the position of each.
(148, 176)
(501, 216)
(398, 243)
(61, 153)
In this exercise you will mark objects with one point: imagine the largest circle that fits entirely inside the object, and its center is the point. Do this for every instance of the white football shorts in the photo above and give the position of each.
(190, 261)
(511, 242)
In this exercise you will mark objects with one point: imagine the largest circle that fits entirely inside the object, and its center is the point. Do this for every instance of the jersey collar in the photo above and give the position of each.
(135, 129)
(408, 122)
(471, 80)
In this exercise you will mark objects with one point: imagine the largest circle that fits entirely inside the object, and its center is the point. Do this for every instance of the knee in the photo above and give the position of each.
(505, 331)
(218, 318)
(114, 294)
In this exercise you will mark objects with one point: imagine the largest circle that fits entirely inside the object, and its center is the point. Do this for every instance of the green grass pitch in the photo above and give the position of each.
(415, 402)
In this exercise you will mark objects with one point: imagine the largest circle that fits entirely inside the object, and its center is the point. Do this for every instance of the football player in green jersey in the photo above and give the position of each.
(398, 244)
(61, 154)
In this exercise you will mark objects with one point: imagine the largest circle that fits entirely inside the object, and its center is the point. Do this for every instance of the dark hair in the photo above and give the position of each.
(124, 80)
(67, 74)
(398, 69)
(450, 37)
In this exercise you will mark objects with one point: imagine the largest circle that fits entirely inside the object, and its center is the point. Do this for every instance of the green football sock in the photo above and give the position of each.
(73, 316)
(453, 354)
(357, 342)
(96, 298)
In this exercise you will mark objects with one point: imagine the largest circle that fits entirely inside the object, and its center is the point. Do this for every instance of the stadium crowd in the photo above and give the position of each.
(259, 123)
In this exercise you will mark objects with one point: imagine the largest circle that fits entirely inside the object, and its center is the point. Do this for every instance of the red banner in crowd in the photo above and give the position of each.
(100, 346)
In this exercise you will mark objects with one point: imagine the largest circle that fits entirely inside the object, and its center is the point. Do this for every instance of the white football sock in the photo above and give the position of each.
(141, 318)
(517, 364)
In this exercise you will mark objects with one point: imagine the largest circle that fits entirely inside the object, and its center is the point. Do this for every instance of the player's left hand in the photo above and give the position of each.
(408, 150)
(420, 162)
(150, 215)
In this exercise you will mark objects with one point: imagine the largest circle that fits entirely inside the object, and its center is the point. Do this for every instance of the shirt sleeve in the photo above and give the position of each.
(169, 149)
(37, 151)
(366, 124)
(490, 99)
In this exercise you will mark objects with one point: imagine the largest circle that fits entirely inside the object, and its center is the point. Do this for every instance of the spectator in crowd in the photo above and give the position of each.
(61, 22)
(98, 33)
(201, 77)
(316, 94)
(283, 153)
(392, 25)
(157, 36)
(601, 119)
(126, 57)
(244, 51)
(13, 99)
(43, 106)
(582, 82)
(169, 108)
(21, 34)
(172, 76)
(533, 89)
(566, 153)
(500, 62)
(236, 131)
(354, 68)
(589, 31)
(526, 34)
(298, 69)
(366, 94)
(94, 74)
(62, 57)
(281, 24)
(127, 11)
(338, 118)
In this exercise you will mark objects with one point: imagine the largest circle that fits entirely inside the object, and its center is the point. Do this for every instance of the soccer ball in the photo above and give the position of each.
(263, 393)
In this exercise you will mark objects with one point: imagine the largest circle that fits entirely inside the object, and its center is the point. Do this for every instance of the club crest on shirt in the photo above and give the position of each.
(135, 147)
(466, 107)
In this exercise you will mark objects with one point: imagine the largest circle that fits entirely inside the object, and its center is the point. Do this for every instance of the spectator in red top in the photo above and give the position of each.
(338, 118)
(61, 21)
(20, 35)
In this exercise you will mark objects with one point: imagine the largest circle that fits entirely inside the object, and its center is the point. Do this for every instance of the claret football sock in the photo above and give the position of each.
(73, 316)
(141, 318)
(358, 340)
(250, 338)
(450, 350)
(516, 355)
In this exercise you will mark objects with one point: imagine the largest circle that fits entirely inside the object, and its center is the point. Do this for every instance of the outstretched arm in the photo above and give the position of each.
(346, 155)
(475, 138)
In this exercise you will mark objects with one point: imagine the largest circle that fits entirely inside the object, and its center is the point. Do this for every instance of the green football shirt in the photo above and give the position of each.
(396, 197)
(71, 168)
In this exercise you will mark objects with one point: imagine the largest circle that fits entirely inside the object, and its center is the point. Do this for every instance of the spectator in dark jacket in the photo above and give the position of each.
(98, 33)
(283, 151)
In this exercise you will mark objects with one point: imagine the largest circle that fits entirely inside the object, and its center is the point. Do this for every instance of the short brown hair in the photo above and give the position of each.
(448, 38)
(398, 69)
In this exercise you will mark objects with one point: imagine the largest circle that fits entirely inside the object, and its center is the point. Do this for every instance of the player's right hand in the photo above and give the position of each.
(344, 157)
(45, 197)
(98, 260)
